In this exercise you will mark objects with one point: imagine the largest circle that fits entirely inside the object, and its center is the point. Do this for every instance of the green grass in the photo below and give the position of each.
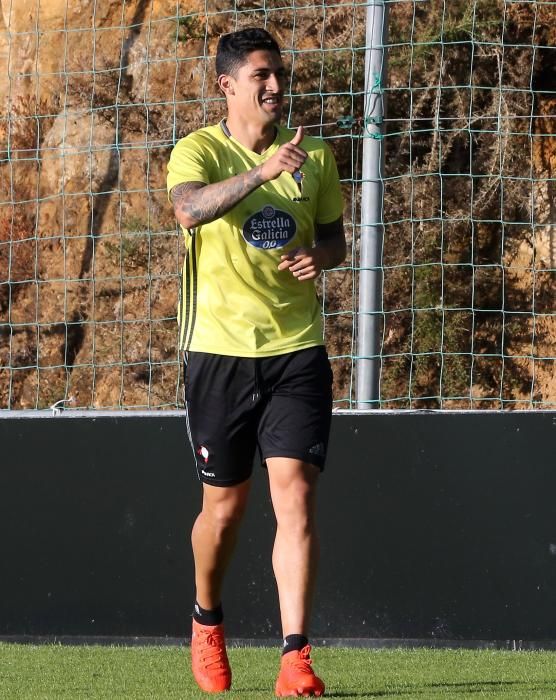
(41, 672)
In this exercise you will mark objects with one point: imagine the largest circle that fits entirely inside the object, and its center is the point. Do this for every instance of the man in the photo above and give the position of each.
(261, 209)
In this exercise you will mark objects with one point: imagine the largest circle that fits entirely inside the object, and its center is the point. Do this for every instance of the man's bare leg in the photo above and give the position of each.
(295, 558)
(214, 537)
(296, 549)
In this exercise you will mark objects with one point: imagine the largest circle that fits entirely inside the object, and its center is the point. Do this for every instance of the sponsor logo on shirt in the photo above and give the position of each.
(269, 228)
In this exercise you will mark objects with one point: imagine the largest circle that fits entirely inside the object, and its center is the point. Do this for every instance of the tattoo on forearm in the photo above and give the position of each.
(205, 203)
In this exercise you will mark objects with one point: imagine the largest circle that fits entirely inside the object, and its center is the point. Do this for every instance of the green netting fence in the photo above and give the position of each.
(93, 97)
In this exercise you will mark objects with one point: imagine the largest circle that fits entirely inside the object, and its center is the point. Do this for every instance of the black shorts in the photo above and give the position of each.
(281, 405)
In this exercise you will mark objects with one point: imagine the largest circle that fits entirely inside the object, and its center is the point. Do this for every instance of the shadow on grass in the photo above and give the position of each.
(479, 684)
(468, 687)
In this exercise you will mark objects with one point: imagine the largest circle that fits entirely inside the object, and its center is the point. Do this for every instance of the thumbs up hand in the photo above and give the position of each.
(288, 158)
(298, 138)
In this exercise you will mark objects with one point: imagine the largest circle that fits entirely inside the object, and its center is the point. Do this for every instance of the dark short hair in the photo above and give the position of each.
(233, 48)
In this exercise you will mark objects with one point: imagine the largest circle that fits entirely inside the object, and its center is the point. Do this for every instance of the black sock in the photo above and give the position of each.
(294, 642)
(208, 617)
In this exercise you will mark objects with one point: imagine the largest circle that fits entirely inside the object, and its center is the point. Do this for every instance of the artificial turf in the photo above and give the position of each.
(54, 672)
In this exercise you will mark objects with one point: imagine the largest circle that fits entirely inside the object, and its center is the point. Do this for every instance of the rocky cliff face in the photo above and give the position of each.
(90, 93)
(92, 97)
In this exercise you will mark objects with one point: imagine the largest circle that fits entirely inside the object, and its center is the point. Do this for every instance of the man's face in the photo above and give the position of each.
(256, 91)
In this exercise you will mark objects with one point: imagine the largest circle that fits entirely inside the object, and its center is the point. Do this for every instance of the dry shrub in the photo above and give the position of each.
(17, 256)
(460, 252)
(463, 206)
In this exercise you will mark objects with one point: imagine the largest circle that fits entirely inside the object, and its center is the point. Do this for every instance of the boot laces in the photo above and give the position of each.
(302, 662)
(213, 651)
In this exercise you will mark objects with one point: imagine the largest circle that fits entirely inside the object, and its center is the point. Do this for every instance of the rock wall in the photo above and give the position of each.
(93, 95)
(89, 90)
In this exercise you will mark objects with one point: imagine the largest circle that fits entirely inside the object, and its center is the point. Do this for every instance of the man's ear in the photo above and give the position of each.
(225, 83)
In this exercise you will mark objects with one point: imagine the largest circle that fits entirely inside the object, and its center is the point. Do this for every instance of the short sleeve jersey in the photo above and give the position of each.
(234, 300)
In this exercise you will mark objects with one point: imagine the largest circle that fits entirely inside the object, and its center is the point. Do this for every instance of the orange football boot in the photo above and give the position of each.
(296, 678)
(209, 660)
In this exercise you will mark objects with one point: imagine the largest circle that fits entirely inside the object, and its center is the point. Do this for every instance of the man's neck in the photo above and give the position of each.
(255, 138)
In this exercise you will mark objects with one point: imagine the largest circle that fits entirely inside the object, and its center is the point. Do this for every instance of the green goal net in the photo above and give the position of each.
(95, 94)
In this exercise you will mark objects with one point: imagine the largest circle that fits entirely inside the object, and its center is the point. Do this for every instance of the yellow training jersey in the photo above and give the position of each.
(234, 300)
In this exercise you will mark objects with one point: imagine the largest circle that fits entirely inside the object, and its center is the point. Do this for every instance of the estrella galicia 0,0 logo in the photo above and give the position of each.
(269, 228)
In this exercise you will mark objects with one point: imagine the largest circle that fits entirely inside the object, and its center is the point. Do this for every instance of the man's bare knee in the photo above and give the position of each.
(224, 507)
(293, 488)
(223, 517)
